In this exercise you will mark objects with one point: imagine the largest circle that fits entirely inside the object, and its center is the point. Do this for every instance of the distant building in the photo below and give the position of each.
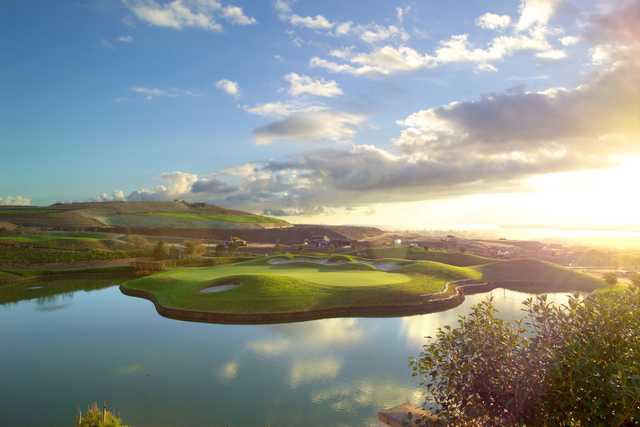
(318, 242)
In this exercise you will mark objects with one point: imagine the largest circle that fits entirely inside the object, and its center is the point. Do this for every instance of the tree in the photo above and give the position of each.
(194, 248)
(220, 250)
(541, 370)
(138, 241)
(161, 251)
(611, 279)
(463, 250)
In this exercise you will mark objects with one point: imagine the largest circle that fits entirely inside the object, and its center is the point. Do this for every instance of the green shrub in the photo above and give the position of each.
(571, 365)
(96, 417)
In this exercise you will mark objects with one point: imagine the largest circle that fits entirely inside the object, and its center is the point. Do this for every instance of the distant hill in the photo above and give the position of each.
(541, 272)
(139, 215)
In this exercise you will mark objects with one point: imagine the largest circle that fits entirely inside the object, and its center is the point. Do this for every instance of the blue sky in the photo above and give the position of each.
(298, 107)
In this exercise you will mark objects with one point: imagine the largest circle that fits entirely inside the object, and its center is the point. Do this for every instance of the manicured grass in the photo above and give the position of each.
(527, 270)
(266, 288)
(452, 258)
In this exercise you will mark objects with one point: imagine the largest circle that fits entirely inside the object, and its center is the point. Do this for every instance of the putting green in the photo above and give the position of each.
(321, 275)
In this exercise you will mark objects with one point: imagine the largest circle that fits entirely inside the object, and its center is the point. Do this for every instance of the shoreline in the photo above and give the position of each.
(451, 297)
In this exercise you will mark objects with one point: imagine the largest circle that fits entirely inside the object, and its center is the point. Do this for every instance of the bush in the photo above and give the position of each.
(577, 364)
(161, 251)
(96, 417)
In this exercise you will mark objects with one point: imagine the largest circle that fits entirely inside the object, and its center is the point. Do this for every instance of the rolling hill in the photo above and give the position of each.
(144, 215)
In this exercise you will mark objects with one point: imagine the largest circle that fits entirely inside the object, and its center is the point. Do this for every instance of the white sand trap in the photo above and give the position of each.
(387, 266)
(279, 261)
(219, 288)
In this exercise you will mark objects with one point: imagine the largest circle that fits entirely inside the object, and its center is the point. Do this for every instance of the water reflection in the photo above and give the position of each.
(104, 346)
(50, 291)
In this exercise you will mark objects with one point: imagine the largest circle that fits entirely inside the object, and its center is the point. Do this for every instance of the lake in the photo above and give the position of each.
(61, 352)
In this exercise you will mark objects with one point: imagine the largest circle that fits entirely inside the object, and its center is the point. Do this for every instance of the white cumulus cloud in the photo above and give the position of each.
(229, 87)
(301, 84)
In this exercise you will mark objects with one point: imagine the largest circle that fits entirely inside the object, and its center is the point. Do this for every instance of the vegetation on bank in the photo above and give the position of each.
(95, 416)
(568, 365)
(25, 255)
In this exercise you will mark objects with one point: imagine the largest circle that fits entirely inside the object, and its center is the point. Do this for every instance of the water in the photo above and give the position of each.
(62, 352)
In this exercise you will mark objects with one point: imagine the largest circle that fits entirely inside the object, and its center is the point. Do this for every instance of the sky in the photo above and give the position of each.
(407, 114)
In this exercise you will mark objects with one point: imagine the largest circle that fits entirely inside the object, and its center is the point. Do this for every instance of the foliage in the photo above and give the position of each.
(195, 248)
(25, 255)
(161, 251)
(96, 417)
(574, 365)
(611, 279)
(635, 279)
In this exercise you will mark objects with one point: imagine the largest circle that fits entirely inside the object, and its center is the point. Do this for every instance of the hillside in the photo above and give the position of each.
(145, 215)
(540, 272)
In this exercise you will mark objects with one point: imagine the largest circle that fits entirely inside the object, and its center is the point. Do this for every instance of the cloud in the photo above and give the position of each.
(150, 93)
(283, 109)
(374, 33)
(330, 126)
(124, 39)
(386, 60)
(175, 185)
(491, 21)
(569, 40)
(317, 22)
(535, 12)
(235, 15)
(351, 397)
(15, 201)
(212, 186)
(314, 369)
(553, 54)
(177, 14)
(283, 8)
(301, 84)
(229, 87)
(228, 371)
(489, 144)
(530, 34)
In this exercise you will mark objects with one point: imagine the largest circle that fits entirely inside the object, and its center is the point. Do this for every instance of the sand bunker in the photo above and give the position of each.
(387, 266)
(219, 288)
(279, 261)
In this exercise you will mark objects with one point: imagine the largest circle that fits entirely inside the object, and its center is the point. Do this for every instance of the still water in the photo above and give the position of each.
(61, 352)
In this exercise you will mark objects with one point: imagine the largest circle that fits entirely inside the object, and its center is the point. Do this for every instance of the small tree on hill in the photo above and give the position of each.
(161, 251)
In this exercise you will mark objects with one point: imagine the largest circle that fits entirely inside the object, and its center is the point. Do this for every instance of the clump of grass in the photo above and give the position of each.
(97, 417)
